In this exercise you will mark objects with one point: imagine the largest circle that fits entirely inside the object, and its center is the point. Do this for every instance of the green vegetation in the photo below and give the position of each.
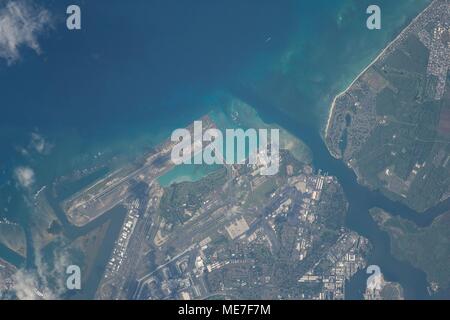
(181, 200)
(426, 248)
(261, 193)
(398, 136)
(262, 270)
(332, 208)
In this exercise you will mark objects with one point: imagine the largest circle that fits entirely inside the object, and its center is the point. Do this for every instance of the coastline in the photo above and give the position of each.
(380, 55)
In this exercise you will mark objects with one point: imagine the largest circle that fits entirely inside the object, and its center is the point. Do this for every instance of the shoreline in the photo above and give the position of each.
(388, 46)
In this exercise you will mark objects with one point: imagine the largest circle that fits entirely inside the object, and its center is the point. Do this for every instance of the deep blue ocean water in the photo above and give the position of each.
(139, 69)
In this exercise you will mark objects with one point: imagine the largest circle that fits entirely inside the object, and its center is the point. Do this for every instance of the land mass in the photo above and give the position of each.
(237, 234)
(12, 236)
(392, 124)
(426, 248)
(108, 192)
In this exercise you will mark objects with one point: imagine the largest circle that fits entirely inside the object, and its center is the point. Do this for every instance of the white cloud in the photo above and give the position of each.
(46, 282)
(26, 284)
(39, 144)
(21, 23)
(52, 272)
(25, 176)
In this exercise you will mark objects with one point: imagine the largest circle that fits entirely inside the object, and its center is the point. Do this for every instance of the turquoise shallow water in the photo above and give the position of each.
(188, 172)
(132, 74)
(139, 69)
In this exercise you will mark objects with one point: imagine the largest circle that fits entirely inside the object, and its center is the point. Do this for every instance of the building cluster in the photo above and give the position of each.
(346, 257)
(438, 43)
(179, 279)
(119, 251)
(7, 283)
